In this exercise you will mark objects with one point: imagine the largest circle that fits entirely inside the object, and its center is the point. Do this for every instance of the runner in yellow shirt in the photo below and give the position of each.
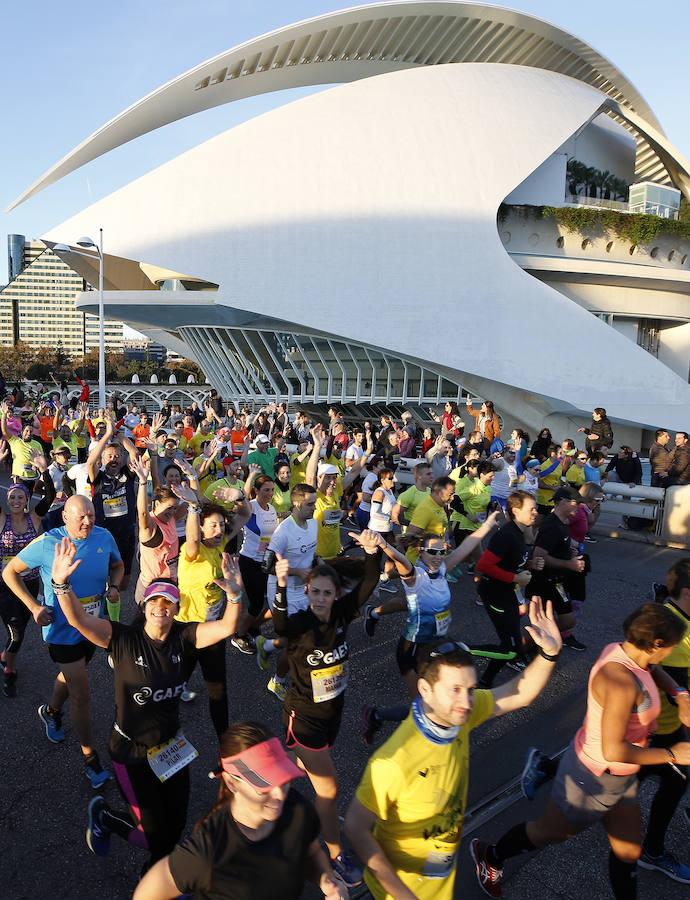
(405, 822)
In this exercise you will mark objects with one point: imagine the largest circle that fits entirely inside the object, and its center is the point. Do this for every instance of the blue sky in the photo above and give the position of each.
(67, 68)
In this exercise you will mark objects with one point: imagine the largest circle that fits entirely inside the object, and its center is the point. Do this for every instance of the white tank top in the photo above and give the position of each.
(381, 521)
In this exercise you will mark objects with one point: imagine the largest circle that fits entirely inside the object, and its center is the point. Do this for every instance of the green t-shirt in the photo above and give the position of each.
(266, 460)
(411, 498)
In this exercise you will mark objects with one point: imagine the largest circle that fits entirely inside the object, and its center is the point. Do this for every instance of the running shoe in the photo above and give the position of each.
(261, 655)
(277, 687)
(244, 643)
(9, 684)
(470, 568)
(572, 642)
(369, 622)
(347, 869)
(97, 835)
(659, 592)
(591, 540)
(517, 665)
(488, 876)
(668, 864)
(533, 775)
(95, 772)
(53, 723)
(388, 587)
(187, 696)
(370, 724)
(452, 577)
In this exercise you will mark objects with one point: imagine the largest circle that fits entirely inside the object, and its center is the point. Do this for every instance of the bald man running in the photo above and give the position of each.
(95, 582)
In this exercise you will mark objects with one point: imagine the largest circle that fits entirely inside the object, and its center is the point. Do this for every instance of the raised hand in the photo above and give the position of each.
(156, 422)
(231, 581)
(369, 540)
(282, 569)
(543, 628)
(64, 561)
(39, 461)
(317, 434)
(184, 492)
(4, 449)
(140, 467)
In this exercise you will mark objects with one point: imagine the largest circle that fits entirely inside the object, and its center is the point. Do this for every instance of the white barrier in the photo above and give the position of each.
(639, 501)
(675, 527)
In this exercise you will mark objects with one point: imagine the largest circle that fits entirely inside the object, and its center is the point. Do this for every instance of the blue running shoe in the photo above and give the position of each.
(533, 775)
(347, 869)
(53, 723)
(97, 834)
(96, 774)
(668, 864)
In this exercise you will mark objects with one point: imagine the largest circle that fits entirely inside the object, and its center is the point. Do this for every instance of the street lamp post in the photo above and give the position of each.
(88, 242)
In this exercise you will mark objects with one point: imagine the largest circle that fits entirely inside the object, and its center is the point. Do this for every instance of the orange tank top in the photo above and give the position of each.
(641, 724)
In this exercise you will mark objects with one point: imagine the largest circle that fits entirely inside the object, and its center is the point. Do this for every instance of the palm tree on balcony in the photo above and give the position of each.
(575, 174)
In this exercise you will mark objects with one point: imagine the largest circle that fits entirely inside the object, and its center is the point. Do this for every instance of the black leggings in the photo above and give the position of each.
(212, 663)
(668, 796)
(502, 608)
(254, 584)
(157, 811)
(15, 615)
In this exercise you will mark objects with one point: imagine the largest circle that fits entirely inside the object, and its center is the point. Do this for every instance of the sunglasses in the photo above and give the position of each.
(435, 551)
(449, 647)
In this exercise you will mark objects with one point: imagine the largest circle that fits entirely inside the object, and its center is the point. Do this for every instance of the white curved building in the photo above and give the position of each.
(348, 247)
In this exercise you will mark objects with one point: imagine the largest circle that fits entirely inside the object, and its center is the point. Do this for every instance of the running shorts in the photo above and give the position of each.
(583, 797)
(310, 732)
(71, 653)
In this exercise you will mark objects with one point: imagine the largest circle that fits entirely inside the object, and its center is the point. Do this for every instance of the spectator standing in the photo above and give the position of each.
(679, 470)
(487, 422)
(660, 456)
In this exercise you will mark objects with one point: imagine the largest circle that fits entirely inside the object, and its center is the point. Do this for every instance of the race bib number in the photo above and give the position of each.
(169, 758)
(214, 612)
(91, 605)
(114, 507)
(28, 471)
(439, 864)
(326, 684)
(442, 623)
(332, 516)
(263, 545)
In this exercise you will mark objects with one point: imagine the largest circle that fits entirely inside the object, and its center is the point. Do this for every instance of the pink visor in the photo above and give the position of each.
(262, 766)
(162, 589)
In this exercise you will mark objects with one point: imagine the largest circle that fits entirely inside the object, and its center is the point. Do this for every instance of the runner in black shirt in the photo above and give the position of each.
(317, 655)
(259, 842)
(114, 493)
(553, 545)
(503, 567)
(152, 661)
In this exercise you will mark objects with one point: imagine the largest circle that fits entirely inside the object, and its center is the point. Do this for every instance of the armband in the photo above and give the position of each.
(235, 600)
(549, 657)
(194, 508)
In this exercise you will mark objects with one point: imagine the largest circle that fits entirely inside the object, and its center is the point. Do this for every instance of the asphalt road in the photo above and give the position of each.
(44, 794)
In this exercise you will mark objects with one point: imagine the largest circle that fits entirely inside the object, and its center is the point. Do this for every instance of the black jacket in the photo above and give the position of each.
(660, 458)
(604, 433)
(628, 470)
(679, 470)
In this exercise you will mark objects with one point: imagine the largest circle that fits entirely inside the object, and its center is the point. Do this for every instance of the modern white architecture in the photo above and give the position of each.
(377, 243)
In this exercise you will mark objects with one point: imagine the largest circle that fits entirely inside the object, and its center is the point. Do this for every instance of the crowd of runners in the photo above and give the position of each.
(164, 540)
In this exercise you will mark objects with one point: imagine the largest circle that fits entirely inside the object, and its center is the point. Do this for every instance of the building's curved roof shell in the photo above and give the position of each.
(362, 42)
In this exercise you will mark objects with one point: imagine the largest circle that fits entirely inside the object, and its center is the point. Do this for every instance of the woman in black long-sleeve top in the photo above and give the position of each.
(318, 658)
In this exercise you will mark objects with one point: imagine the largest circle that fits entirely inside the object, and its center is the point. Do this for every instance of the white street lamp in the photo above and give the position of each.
(88, 242)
